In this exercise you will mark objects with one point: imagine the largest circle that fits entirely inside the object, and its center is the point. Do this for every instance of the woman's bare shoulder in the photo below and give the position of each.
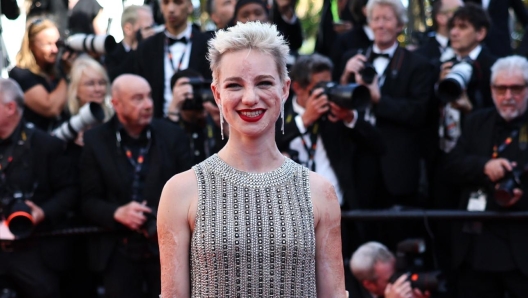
(324, 198)
(179, 195)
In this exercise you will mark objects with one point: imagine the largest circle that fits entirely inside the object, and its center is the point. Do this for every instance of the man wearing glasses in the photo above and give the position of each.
(488, 165)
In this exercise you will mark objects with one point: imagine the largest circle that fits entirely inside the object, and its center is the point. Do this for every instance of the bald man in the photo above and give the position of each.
(124, 165)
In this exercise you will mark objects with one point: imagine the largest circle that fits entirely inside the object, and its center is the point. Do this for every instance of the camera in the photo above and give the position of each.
(504, 188)
(17, 214)
(89, 114)
(351, 96)
(409, 260)
(456, 81)
(201, 93)
(80, 42)
(368, 73)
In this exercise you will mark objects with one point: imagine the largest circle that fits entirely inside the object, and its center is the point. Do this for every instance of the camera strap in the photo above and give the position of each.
(500, 148)
(313, 131)
(137, 163)
(169, 53)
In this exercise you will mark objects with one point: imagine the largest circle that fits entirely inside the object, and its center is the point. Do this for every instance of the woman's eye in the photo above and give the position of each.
(266, 83)
(232, 85)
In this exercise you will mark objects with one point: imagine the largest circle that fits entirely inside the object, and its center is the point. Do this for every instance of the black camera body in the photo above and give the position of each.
(150, 228)
(17, 214)
(201, 93)
(410, 261)
(350, 96)
(456, 81)
(368, 73)
(504, 187)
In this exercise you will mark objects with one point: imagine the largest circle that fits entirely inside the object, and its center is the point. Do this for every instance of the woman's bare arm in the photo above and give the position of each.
(174, 234)
(328, 257)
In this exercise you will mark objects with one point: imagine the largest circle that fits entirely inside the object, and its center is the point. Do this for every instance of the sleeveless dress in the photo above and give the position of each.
(254, 232)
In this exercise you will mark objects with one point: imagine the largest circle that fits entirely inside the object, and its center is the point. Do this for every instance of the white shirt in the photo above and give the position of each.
(322, 163)
(177, 49)
(485, 3)
(381, 63)
(474, 53)
(443, 41)
(368, 32)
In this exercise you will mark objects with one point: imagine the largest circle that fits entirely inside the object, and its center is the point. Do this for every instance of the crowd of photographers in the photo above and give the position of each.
(90, 130)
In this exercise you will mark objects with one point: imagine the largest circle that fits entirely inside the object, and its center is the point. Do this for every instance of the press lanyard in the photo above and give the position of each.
(310, 163)
(137, 163)
(506, 143)
(169, 54)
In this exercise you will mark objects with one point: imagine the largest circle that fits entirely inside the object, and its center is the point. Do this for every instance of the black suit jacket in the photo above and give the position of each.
(498, 38)
(119, 62)
(150, 63)
(292, 32)
(339, 142)
(352, 39)
(431, 50)
(105, 181)
(480, 80)
(400, 115)
(41, 161)
(464, 166)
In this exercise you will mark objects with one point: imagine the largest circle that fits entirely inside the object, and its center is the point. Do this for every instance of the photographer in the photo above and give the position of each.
(124, 164)
(468, 62)
(43, 84)
(373, 265)
(137, 23)
(322, 135)
(194, 109)
(400, 84)
(36, 184)
(488, 165)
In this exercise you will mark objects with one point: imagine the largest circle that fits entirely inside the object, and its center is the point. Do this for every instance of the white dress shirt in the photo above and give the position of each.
(177, 49)
(322, 163)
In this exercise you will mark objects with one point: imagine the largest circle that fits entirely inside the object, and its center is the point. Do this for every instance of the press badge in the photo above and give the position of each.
(477, 201)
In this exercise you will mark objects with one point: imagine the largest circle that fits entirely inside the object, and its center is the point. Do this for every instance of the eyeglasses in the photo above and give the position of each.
(515, 89)
(94, 83)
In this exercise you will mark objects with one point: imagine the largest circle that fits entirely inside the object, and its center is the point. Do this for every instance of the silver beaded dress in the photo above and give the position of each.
(254, 232)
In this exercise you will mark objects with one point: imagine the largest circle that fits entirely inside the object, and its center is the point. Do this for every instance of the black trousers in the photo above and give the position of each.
(30, 277)
(478, 284)
(127, 277)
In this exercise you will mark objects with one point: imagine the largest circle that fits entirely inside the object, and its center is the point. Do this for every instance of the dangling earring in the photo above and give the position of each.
(282, 116)
(221, 122)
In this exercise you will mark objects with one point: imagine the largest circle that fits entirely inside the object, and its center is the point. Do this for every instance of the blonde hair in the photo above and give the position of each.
(80, 65)
(262, 37)
(25, 58)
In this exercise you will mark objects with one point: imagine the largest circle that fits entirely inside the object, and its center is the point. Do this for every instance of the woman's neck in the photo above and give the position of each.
(252, 155)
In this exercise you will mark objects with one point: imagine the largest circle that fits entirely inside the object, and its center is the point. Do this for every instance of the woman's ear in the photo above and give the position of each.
(216, 94)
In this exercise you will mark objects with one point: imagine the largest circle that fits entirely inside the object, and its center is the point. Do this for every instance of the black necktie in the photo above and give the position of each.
(172, 41)
(375, 55)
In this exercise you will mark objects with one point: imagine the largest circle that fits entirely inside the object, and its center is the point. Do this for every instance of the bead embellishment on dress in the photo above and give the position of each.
(254, 232)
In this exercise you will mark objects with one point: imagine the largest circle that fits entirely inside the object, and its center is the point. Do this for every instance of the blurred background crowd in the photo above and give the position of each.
(402, 105)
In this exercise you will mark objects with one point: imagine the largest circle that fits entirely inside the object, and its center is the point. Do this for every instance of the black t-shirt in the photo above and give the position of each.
(27, 80)
(82, 16)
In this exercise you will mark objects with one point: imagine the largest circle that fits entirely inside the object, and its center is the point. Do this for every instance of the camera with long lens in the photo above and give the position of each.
(89, 43)
(201, 93)
(504, 187)
(350, 96)
(410, 261)
(17, 214)
(90, 114)
(368, 73)
(456, 81)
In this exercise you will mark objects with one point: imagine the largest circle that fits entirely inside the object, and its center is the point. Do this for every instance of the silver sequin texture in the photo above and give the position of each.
(254, 233)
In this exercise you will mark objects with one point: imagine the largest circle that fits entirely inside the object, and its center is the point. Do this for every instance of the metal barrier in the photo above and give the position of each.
(414, 214)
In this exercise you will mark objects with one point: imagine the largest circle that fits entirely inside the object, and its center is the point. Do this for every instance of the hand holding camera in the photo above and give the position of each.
(364, 74)
(401, 288)
(496, 168)
(316, 106)
(182, 90)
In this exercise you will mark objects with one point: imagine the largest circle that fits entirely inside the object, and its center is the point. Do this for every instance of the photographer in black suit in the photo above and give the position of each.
(124, 165)
(179, 46)
(35, 170)
(400, 92)
(491, 256)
